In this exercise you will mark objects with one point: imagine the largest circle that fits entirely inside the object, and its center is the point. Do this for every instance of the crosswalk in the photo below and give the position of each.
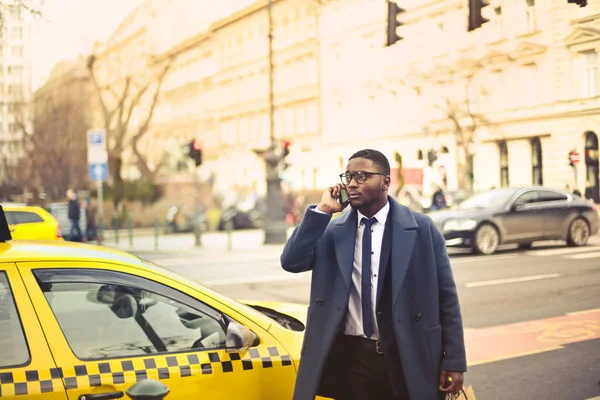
(572, 253)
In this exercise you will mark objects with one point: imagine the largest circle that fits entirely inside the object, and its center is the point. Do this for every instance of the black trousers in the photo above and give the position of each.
(363, 371)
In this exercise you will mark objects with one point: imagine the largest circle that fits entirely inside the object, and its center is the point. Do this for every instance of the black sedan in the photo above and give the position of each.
(517, 215)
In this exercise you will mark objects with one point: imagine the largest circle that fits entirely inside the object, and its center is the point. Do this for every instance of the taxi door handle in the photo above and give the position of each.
(102, 396)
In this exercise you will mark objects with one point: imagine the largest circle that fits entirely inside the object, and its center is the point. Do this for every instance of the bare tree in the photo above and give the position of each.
(118, 103)
(58, 151)
(464, 120)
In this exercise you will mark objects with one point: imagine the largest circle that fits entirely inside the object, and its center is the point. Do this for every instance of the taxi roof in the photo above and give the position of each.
(29, 250)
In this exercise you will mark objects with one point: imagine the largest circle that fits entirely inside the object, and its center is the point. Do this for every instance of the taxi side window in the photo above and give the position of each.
(24, 217)
(116, 319)
(12, 339)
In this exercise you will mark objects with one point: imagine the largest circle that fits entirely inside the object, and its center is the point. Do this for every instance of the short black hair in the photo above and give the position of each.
(377, 157)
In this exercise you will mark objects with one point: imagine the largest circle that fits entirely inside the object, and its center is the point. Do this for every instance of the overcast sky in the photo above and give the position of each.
(70, 28)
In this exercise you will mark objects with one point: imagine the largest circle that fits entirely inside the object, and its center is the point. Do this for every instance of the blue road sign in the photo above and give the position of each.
(99, 172)
(96, 138)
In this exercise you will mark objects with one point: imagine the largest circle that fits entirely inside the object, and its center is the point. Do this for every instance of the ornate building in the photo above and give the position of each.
(506, 102)
(218, 93)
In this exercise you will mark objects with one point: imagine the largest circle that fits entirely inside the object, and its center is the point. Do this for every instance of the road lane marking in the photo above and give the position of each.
(559, 252)
(514, 355)
(594, 398)
(511, 280)
(463, 260)
(584, 256)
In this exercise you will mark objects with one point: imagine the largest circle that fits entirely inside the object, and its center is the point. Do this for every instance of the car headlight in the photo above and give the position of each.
(460, 225)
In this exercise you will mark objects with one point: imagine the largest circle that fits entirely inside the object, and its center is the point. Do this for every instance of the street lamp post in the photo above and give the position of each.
(275, 227)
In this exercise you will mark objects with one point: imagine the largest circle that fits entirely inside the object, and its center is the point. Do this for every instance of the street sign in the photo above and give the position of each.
(97, 155)
(575, 157)
(99, 171)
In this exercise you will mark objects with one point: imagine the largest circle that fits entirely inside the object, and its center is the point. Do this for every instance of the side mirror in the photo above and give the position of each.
(515, 206)
(239, 338)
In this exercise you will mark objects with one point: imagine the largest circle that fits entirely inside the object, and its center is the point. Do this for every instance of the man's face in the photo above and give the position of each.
(373, 190)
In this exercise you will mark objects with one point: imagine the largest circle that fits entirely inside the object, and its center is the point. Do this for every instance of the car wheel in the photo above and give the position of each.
(579, 233)
(487, 239)
(525, 246)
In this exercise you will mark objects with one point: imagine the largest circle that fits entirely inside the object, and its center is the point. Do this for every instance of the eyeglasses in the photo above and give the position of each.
(359, 176)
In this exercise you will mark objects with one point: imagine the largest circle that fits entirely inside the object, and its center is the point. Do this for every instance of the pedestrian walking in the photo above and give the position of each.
(384, 320)
(91, 229)
(74, 215)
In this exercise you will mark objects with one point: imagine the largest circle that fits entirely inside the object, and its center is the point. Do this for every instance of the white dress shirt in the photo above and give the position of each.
(353, 325)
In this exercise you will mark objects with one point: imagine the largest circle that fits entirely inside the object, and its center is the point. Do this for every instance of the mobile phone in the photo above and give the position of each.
(343, 199)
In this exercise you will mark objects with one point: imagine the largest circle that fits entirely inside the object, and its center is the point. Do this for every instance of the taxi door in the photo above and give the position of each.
(110, 326)
(27, 370)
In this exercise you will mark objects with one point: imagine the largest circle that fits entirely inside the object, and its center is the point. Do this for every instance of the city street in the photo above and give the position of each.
(532, 318)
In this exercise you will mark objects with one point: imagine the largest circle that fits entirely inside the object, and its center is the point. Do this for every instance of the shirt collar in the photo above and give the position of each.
(381, 214)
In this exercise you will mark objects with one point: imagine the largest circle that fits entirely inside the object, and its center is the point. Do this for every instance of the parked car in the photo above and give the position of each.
(89, 322)
(178, 220)
(31, 223)
(517, 215)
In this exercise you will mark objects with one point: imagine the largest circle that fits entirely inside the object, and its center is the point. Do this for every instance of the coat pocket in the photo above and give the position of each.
(434, 342)
(307, 330)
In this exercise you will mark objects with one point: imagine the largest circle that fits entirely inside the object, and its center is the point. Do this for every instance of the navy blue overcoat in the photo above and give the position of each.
(426, 314)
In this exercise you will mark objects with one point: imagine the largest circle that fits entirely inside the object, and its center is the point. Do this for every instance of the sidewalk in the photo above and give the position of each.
(248, 244)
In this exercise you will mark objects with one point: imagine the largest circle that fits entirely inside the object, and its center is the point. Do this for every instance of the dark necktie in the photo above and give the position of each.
(365, 294)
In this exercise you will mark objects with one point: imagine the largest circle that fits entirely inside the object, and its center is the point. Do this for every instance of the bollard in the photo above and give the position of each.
(229, 227)
(116, 227)
(130, 231)
(100, 231)
(155, 233)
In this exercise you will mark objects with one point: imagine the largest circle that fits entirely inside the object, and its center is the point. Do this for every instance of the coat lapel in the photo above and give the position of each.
(404, 234)
(344, 234)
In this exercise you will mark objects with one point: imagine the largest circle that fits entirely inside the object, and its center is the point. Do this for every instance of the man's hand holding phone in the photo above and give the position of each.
(334, 199)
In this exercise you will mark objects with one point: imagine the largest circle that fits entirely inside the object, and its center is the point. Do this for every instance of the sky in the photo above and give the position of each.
(70, 27)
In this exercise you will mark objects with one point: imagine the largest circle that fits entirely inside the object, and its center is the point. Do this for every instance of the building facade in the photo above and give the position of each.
(511, 98)
(15, 84)
(218, 93)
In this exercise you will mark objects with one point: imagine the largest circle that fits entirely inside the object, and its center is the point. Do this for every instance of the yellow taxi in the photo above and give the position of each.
(31, 223)
(84, 322)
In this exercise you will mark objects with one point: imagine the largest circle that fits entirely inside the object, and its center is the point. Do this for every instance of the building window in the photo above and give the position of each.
(590, 73)
(536, 162)
(530, 15)
(504, 182)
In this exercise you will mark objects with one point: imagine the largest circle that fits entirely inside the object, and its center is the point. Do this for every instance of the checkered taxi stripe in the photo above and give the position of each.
(114, 372)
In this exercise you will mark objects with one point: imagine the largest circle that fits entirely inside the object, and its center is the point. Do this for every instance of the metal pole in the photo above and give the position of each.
(155, 233)
(275, 228)
(196, 223)
(116, 227)
(130, 231)
(99, 186)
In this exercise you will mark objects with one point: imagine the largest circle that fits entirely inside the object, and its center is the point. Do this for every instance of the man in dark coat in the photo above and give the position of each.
(74, 214)
(404, 340)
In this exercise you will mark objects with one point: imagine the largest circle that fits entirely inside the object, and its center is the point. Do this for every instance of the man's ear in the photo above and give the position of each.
(386, 183)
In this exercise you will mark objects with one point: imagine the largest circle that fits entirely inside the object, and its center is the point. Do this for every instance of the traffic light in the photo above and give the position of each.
(392, 23)
(580, 3)
(475, 17)
(195, 152)
(284, 153)
(286, 149)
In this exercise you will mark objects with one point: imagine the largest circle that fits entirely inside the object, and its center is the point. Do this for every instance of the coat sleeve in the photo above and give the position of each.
(453, 340)
(298, 253)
